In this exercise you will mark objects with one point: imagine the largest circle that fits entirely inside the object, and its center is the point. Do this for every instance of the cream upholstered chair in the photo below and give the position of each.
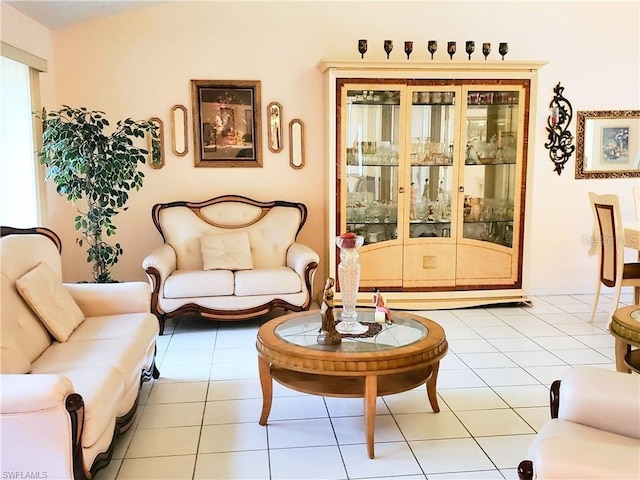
(613, 271)
(594, 430)
(636, 201)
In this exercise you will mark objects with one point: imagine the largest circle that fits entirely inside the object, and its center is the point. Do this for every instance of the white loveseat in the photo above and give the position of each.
(64, 402)
(229, 258)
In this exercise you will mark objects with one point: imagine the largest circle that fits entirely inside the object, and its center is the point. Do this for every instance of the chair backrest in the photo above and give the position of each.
(608, 222)
(636, 201)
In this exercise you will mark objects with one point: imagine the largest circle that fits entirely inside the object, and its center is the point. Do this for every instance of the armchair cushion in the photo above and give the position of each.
(230, 251)
(49, 300)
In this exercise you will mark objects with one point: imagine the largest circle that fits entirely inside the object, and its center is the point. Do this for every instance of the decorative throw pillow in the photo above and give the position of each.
(50, 301)
(226, 252)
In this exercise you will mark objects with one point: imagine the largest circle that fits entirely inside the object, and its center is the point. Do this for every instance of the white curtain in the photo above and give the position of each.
(18, 198)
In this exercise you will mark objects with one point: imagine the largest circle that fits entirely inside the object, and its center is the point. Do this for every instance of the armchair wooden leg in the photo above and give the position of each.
(525, 470)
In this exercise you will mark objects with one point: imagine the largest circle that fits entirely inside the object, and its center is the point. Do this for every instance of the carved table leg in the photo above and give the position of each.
(266, 383)
(622, 348)
(431, 387)
(370, 398)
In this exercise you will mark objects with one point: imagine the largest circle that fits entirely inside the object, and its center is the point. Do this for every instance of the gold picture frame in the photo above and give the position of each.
(226, 123)
(608, 144)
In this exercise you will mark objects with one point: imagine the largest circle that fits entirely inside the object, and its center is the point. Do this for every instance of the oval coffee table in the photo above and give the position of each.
(399, 357)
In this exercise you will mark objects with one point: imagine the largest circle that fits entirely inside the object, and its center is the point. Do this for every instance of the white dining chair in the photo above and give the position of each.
(613, 271)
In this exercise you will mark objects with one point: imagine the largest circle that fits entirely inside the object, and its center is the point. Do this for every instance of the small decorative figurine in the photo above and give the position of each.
(327, 334)
(381, 306)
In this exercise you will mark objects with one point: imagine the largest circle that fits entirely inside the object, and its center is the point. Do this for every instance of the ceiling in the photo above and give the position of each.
(55, 14)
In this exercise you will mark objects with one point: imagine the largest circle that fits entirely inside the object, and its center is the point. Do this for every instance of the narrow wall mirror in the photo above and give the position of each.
(274, 116)
(156, 144)
(296, 143)
(179, 143)
(608, 144)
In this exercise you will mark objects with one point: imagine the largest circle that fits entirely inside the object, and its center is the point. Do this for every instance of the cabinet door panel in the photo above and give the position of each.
(482, 263)
(430, 265)
(381, 265)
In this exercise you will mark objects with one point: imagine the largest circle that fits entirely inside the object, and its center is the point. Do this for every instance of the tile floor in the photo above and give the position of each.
(199, 419)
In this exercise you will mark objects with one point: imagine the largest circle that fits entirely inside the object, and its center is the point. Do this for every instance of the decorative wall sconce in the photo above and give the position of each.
(560, 142)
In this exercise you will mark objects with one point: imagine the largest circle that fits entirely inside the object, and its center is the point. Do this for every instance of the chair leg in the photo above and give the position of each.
(616, 300)
(595, 301)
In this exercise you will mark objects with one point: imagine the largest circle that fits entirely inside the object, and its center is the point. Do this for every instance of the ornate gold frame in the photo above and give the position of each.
(598, 120)
(234, 141)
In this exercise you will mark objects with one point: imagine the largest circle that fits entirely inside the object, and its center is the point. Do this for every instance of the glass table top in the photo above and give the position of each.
(636, 314)
(303, 331)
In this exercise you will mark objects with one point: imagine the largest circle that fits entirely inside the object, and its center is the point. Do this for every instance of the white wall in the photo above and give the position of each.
(140, 64)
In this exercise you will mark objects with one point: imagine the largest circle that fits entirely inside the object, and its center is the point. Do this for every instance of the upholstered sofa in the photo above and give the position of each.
(72, 360)
(229, 258)
(594, 432)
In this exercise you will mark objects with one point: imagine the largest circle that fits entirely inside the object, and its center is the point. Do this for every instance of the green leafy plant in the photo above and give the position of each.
(87, 164)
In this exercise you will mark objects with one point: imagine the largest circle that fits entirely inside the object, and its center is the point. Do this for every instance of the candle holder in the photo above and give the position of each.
(560, 140)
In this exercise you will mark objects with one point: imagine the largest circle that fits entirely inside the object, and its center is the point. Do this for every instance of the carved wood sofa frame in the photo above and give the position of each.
(217, 314)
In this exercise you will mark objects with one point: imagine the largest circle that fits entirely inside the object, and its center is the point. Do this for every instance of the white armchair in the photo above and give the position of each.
(594, 432)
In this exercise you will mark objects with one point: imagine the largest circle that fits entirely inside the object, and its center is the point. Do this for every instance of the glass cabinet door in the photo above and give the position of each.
(432, 126)
(492, 150)
(371, 143)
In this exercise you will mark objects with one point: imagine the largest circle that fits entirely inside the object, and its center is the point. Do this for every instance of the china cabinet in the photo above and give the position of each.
(428, 163)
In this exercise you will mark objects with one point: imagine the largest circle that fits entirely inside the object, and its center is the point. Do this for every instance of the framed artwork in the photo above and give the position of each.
(608, 144)
(226, 123)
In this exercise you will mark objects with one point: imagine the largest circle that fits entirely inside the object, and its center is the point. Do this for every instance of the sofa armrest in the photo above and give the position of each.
(42, 423)
(163, 259)
(96, 299)
(602, 399)
(24, 393)
(299, 257)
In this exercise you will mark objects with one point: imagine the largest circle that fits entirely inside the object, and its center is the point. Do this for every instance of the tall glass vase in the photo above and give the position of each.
(349, 277)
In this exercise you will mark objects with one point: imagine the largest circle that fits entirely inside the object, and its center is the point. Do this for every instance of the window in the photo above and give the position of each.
(21, 179)
(19, 207)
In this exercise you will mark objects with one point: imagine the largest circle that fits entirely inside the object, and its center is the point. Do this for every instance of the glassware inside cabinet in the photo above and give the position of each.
(432, 153)
(490, 165)
(371, 158)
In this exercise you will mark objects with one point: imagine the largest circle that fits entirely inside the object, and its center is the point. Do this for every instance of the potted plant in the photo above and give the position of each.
(90, 165)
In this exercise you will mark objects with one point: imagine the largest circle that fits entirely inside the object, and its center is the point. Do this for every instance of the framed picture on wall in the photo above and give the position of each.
(608, 144)
(226, 123)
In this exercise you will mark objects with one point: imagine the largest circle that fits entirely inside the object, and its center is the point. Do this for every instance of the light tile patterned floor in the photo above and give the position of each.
(199, 420)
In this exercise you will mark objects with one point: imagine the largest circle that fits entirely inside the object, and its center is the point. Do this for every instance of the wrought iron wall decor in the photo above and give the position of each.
(560, 142)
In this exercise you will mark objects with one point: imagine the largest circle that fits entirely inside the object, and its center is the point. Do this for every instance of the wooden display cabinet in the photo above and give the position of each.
(428, 163)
